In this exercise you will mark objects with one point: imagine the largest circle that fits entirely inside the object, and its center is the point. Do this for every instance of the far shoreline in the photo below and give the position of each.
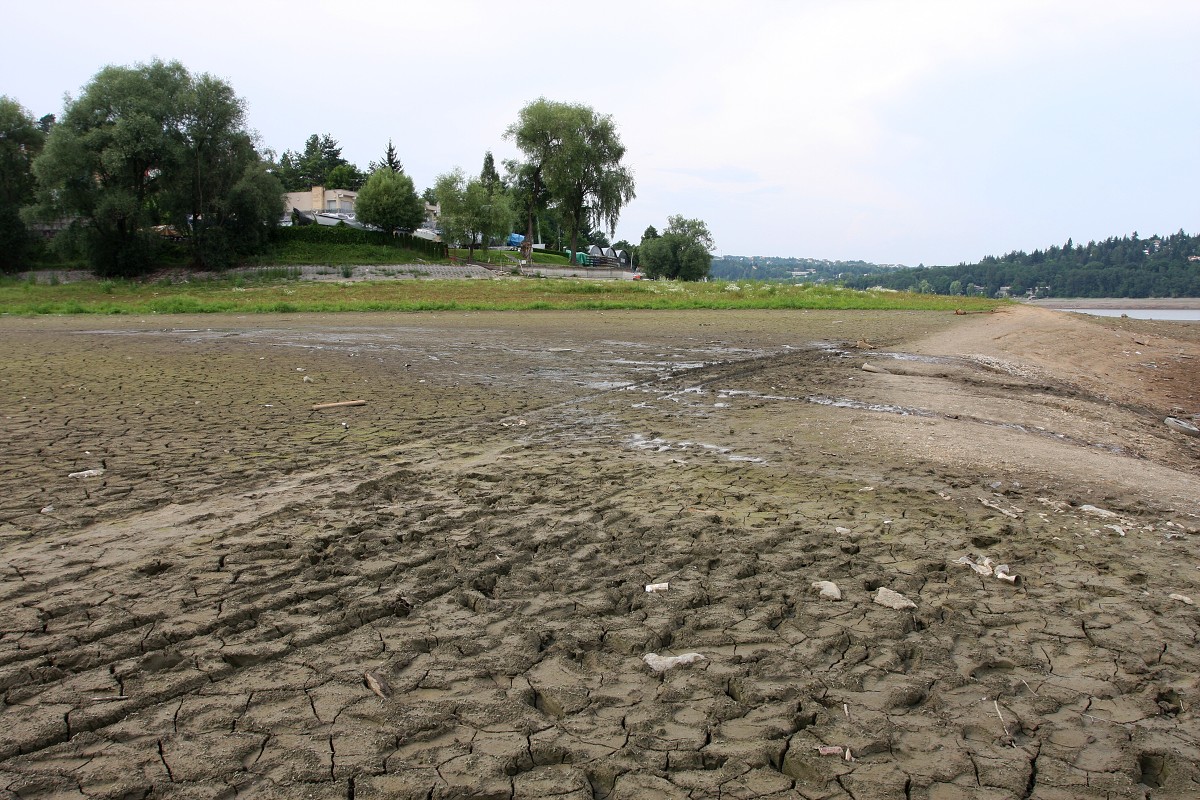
(1118, 303)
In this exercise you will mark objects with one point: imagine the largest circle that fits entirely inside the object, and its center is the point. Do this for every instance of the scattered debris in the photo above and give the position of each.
(1003, 724)
(1183, 427)
(377, 684)
(663, 663)
(988, 568)
(830, 750)
(1099, 512)
(1012, 512)
(657, 587)
(982, 569)
(1183, 598)
(341, 404)
(87, 473)
(1003, 574)
(828, 590)
(892, 599)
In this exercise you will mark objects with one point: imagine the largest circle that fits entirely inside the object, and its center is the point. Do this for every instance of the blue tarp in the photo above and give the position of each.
(514, 239)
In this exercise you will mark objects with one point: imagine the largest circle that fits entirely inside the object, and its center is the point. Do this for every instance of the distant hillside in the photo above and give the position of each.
(1160, 266)
(792, 270)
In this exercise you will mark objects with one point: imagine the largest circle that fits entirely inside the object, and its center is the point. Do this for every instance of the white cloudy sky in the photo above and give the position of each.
(894, 131)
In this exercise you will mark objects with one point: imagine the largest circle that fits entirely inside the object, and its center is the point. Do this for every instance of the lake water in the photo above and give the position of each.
(1168, 314)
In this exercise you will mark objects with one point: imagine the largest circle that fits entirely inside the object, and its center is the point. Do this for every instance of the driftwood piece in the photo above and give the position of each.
(341, 404)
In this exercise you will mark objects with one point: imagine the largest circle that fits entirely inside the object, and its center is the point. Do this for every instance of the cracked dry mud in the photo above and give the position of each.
(201, 619)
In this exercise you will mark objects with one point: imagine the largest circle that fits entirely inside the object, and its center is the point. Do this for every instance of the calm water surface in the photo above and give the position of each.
(1169, 314)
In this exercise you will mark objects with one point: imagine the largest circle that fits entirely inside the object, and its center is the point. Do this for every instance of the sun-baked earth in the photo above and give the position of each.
(211, 590)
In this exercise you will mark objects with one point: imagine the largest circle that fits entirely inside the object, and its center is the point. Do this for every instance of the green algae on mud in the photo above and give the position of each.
(234, 295)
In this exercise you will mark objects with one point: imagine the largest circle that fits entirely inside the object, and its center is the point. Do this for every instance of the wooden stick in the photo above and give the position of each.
(342, 404)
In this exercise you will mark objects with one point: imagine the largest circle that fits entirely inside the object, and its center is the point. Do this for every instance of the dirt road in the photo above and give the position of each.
(442, 592)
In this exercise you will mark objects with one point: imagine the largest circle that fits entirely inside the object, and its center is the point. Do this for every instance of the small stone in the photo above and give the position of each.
(1183, 598)
(663, 663)
(1096, 511)
(828, 590)
(890, 599)
(87, 473)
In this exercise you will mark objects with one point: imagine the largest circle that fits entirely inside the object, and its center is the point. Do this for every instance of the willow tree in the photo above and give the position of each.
(573, 155)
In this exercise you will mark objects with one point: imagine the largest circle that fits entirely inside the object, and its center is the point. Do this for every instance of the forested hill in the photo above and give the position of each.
(774, 268)
(1160, 266)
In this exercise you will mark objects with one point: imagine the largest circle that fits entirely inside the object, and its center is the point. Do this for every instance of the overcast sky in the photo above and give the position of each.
(914, 131)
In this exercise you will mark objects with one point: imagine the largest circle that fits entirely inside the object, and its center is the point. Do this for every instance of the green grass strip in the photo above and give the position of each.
(273, 294)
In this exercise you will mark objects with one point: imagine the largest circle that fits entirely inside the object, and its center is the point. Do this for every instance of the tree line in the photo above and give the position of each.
(783, 268)
(152, 155)
(1129, 266)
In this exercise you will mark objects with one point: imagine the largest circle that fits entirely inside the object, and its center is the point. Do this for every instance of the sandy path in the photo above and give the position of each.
(199, 621)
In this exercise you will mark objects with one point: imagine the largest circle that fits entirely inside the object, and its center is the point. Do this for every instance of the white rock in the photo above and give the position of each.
(828, 590)
(1183, 598)
(663, 663)
(1099, 512)
(842, 531)
(657, 587)
(87, 473)
(890, 599)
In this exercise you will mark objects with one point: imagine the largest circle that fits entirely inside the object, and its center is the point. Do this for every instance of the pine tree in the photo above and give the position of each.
(390, 161)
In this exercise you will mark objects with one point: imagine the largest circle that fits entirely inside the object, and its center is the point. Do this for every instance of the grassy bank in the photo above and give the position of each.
(239, 295)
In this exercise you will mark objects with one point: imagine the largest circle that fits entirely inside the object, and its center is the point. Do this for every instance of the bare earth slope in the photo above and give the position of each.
(442, 593)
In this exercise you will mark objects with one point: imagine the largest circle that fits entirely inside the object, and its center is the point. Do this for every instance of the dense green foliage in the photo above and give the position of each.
(389, 201)
(470, 214)
(572, 160)
(153, 145)
(1160, 266)
(372, 247)
(317, 165)
(20, 142)
(683, 251)
(244, 294)
(390, 160)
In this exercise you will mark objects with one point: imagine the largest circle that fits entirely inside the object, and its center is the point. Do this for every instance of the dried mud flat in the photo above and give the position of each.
(442, 593)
